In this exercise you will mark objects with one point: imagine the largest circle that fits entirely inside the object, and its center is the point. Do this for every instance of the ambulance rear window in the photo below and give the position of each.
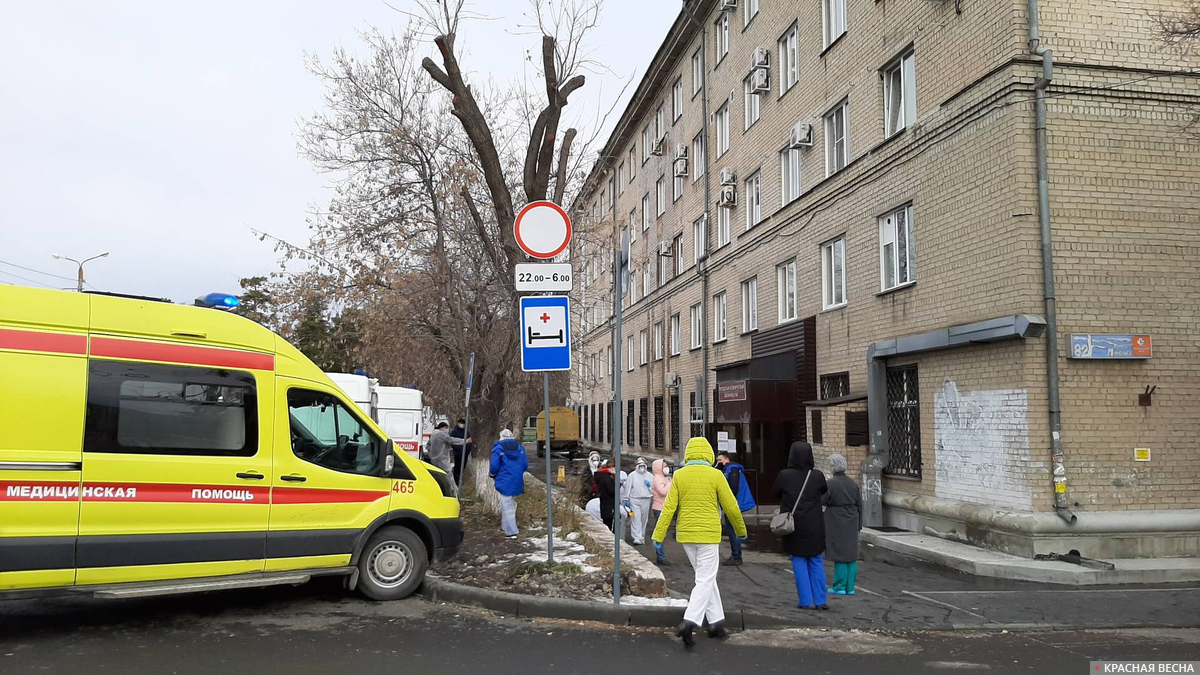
(170, 410)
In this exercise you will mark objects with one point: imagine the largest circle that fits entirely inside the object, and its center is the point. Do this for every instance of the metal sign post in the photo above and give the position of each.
(549, 485)
(462, 470)
(621, 277)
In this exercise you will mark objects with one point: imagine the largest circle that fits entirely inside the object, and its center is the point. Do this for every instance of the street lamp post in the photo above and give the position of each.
(79, 277)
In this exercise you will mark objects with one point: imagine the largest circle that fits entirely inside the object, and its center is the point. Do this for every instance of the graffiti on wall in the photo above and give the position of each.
(982, 443)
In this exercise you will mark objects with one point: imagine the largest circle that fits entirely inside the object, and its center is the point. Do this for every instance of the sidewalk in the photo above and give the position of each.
(897, 591)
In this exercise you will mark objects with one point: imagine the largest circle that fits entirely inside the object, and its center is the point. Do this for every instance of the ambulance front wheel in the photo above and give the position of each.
(393, 564)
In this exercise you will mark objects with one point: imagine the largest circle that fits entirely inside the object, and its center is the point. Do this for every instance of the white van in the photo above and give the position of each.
(360, 389)
(399, 412)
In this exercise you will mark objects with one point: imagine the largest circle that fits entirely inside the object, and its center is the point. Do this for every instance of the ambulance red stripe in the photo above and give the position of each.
(293, 495)
(33, 341)
(177, 493)
(200, 356)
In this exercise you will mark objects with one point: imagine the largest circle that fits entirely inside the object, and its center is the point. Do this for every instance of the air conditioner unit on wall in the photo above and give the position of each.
(681, 167)
(801, 136)
(726, 5)
(762, 58)
(671, 379)
(657, 148)
(760, 81)
(728, 177)
(728, 198)
(664, 248)
(697, 415)
(681, 151)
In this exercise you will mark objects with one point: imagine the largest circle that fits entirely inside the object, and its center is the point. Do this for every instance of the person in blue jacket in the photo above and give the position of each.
(735, 475)
(508, 471)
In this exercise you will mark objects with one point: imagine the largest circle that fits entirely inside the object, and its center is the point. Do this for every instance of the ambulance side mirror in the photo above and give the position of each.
(388, 456)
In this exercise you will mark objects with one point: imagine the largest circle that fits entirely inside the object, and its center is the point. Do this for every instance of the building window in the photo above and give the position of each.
(723, 129)
(600, 415)
(723, 219)
(835, 385)
(658, 422)
(904, 422)
(698, 159)
(835, 140)
(752, 102)
(697, 71)
(645, 212)
(660, 127)
(721, 29)
(643, 341)
(629, 353)
(697, 327)
(785, 276)
(658, 341)
(699, 238)
(675, 426)
(665, 266)
(750, 10)
(629, 423)
(647, 280)
(834, 15)
(644, 414)
(632, 163)
(677, 99)
(645, 143)
(833, 273)
(677, 248)
(719, 317)
(621, 177)
(753, 199)
(896, 248)
(608, 358)
(660, 195)
(677, 188)
(900, 94)
(789, 174)
(789, 67)
(750, 305)
(676, 339)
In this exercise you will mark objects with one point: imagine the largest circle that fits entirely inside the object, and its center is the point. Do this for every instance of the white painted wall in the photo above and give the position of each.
(982, 446)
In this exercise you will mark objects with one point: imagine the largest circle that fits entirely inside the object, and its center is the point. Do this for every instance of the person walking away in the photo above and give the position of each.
(606, 487)
(735, 474)
(698, 494)
(440, 444)
(806, 544)
(508, 472)
(843, 522)
(461, 452)
(660, 485)
(641, 497)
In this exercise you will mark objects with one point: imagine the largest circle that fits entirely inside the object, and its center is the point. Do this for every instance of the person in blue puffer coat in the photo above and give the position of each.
(736, 477)
(508, 471)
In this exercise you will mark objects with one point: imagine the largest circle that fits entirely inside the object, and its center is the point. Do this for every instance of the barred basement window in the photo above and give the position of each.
(629, 424)
(600, 425)
(676, 427)
(659, 427)
(835, 385)
(904, 422)
(643, 428)
(612, 421)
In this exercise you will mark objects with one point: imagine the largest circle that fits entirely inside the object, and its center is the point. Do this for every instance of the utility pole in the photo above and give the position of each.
(620, 283)
(79, 277)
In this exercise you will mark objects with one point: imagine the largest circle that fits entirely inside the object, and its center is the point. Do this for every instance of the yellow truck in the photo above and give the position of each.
(148, 448)
(564, 431)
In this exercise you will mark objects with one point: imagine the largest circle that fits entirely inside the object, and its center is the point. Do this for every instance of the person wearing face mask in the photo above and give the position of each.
(587, 482)
(641, 497)
(660, 485)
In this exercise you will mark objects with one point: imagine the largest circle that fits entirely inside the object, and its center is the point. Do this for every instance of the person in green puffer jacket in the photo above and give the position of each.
(699, 493)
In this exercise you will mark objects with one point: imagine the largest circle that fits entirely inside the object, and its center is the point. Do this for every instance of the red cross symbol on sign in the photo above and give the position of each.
(544, 317)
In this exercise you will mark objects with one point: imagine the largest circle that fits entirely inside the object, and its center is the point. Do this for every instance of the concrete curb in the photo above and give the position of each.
(531, 606)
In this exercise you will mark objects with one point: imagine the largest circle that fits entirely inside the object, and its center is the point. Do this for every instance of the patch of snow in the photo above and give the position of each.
(565, 551)
(574, 536)
(646, 602)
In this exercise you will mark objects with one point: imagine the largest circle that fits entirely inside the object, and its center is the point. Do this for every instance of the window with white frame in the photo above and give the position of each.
(676, 339)
(660, 195)
(724, 216)
(678, 248)
(658, 341)
(645, 212)
(833, 273)
(789, 174)
(608, 357)
(721, 30)
(643, 341)
(611, 204)
(676, 188)
(753, 199)
(789, 60)
(697, 320)
(665, 267)
(677, 99)
(719, 304)
(599, 365)
(697, 157)
(629, 353)
(750, 304)
(785, 281)
(722, 122)
(697, 71)
(632, 163)
(621, 178)
(899, 94)
(749, 11)
(646, 143)
(833, 13)
(896, 248)
(632, 225)
(647, 280)
(699, 238)
(753, 104)
(660, 126)
(633, 286)
(835, 139)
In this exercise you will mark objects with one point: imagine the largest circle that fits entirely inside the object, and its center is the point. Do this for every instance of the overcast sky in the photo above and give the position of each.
(162, 131)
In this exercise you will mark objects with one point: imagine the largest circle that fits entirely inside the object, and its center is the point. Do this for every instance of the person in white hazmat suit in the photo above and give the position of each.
(641, 498)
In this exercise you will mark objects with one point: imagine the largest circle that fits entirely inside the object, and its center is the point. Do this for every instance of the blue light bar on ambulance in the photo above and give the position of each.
(218, 301)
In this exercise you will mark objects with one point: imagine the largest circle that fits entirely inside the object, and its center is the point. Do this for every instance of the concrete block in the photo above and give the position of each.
(573, 610)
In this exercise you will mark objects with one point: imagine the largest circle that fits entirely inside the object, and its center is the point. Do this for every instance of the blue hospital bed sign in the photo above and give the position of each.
(545, 333)
(1111, 346)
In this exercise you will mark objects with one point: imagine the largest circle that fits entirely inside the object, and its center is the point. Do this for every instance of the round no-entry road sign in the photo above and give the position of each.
(542, 229)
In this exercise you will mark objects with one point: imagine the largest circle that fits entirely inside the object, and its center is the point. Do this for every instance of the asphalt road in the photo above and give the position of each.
(318, 628)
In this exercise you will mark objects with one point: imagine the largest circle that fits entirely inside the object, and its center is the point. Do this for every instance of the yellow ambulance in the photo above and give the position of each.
(152, 448)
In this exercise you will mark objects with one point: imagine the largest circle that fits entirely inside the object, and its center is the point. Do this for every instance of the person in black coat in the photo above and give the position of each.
(801, 487)
(606, 485)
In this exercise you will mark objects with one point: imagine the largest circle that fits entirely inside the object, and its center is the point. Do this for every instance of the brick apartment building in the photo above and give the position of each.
(867, 271)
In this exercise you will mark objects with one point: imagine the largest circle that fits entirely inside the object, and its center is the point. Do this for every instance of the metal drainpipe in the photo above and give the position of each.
(1061, 502)
(702, 264)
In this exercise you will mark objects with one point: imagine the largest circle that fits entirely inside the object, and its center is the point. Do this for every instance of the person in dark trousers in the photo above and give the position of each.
(843, 522)
(735, 475)
(461, 452)
(806, 544)
(606, 486)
